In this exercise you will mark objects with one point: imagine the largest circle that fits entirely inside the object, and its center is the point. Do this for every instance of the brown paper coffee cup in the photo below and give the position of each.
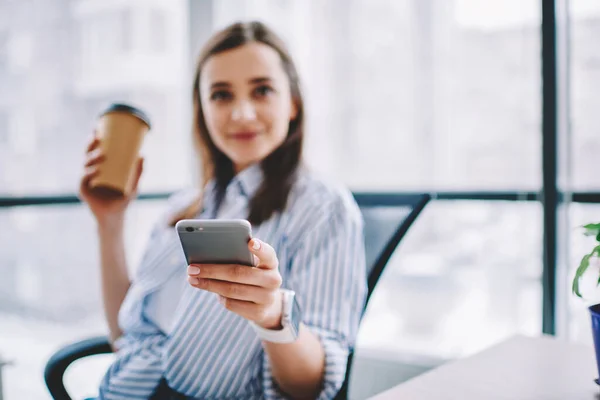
(121, 130)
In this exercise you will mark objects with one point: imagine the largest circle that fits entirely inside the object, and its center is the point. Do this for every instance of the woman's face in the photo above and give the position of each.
(247, 104)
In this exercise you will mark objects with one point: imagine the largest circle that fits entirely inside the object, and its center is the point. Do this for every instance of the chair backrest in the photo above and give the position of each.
(387, 218)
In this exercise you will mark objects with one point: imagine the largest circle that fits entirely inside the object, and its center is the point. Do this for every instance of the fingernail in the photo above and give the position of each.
(256, 244)
(193, 281)
(193, 270)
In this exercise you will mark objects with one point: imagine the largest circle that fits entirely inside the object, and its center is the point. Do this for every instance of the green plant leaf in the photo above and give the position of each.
(583, 266)
(592, 229)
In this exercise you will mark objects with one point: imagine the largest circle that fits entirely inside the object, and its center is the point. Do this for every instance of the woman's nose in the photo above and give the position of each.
(243, 110)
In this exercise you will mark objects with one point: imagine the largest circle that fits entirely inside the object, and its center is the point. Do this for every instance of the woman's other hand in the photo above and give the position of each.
(104, 208)
(251, 292)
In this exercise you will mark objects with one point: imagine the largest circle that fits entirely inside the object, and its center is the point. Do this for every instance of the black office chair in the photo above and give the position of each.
(387, 219)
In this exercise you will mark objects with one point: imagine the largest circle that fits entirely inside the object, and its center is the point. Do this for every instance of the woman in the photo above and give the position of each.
(206, 331)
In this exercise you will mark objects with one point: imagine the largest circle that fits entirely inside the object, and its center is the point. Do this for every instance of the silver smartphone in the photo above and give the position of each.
(215, 241)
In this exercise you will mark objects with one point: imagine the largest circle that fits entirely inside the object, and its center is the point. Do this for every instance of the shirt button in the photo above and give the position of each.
(174, 260)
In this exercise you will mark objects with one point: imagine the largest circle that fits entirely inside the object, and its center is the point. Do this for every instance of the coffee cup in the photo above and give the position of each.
(121, 129)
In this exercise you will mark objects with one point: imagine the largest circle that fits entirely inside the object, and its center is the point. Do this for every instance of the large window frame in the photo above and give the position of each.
(554, 114)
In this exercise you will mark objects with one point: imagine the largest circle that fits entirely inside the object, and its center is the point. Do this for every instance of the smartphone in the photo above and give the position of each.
(215, 241)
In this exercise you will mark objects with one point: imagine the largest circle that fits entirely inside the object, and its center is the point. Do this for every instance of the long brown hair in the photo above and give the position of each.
(280, 167)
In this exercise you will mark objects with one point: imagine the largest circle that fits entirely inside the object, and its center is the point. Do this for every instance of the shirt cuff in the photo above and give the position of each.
(336, 359)
(336, 356)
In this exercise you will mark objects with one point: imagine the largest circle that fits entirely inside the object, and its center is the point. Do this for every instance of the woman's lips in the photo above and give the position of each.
(244, 135)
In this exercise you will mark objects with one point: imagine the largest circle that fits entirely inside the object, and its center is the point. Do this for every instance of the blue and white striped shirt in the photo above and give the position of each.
(184, 335)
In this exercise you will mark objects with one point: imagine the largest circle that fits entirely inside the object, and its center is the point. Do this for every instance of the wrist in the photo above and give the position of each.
(274, 315)
(289, 317)
(111, 225)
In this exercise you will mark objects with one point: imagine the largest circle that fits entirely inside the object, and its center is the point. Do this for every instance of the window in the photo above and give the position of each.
(434, 95)
(467, 275)
(158, 31)
(412, 96)
(22, 132)
(49, 291)
(584, 103)
(3, 50)
(578, 322)
(76, 106)
(3, 128)
(581, 165)
(107, 33)
(20, 51)
(419, 95)
(402, 95)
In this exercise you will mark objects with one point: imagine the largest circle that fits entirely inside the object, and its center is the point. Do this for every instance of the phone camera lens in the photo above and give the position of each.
(189, 229)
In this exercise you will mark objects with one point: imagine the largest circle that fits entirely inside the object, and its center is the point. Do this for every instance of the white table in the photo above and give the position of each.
(520, 368)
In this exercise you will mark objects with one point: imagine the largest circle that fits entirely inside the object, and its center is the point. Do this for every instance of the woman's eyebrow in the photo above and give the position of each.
(218, 85)
(261, 79)
(224, 84)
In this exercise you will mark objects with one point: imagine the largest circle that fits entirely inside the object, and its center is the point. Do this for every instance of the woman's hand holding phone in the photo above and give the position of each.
(251, 292)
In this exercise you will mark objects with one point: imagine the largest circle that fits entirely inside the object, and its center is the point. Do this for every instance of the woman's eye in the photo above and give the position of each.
(263, 91)
(221, 95)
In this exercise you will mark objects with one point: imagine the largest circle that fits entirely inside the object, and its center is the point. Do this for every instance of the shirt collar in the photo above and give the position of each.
(249, 180)
(246, 182)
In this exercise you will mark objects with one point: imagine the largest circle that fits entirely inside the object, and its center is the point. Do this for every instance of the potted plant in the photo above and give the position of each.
(594, 254)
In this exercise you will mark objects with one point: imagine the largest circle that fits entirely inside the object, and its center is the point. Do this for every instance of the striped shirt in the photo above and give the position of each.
(181, 334)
